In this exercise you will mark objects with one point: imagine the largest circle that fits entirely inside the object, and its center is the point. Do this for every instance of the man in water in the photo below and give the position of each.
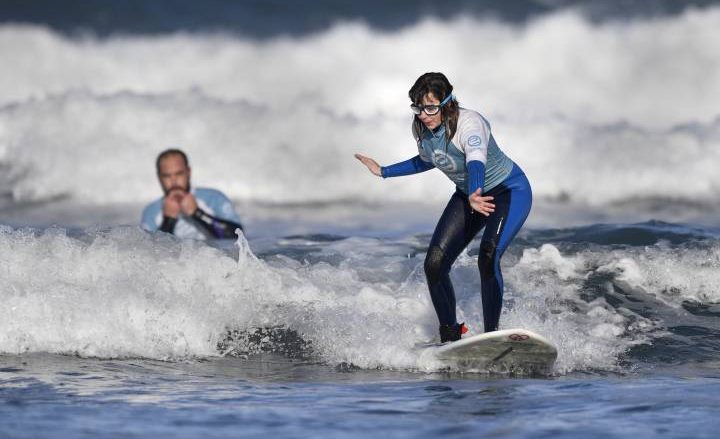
(199, 213)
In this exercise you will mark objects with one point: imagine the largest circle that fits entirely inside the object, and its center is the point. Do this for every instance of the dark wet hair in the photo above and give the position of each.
(437, 84)
(168, 153)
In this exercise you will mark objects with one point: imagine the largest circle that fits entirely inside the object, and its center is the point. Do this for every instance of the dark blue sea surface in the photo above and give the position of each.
(63, 397)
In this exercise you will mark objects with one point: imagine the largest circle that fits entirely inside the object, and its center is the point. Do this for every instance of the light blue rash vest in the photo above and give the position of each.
(473, 140)
(209, 200)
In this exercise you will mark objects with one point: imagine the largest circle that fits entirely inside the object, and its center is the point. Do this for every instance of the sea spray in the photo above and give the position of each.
(125, 293)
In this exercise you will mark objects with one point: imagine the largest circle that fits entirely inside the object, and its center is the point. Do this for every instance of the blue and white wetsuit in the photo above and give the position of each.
(472, 160)
(215, 218)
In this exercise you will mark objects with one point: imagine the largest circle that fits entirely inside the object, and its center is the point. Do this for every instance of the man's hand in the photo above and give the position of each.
(481, 204)
(171, 204)
(188, 204)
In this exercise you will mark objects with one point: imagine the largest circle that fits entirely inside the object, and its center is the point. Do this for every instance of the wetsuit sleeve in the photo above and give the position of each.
(474, 138)
(476, 175)
(216, 227)
(168, 224)
(408, 167)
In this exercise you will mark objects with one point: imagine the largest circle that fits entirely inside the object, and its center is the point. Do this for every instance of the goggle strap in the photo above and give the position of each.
(447, 99)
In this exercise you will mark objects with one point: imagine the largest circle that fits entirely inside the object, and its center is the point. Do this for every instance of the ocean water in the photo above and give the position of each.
(310, 325)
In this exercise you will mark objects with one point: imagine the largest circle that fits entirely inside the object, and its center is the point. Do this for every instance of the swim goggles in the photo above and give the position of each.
(430, 110)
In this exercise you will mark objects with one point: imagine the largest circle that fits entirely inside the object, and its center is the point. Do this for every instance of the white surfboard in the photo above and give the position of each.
(510, 350)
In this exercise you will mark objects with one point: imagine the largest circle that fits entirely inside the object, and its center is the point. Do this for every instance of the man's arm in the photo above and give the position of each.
(217, 227)
(168, 224)
(170, 210)
(223, 223)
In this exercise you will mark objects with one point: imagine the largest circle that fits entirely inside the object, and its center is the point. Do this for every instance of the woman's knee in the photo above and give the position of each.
(435, 264)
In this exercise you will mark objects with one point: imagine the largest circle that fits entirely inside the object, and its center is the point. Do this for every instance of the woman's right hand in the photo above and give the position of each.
(371, 164)
(482, 204)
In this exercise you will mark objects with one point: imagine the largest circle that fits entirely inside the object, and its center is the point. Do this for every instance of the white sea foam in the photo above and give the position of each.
(594, 113)
(673, 275)
(364, 301)
(589, 334)
(554, 283)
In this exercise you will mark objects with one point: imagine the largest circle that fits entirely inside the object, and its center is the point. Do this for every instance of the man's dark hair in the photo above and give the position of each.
(167, 153)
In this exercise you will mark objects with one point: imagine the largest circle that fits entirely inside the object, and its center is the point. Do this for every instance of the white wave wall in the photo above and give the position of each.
(594, 113)
(126, 293)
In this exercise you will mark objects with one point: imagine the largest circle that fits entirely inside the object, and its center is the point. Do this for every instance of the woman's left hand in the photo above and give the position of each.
(481, 204)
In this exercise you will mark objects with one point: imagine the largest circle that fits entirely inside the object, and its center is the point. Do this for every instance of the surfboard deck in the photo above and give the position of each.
(508, 351)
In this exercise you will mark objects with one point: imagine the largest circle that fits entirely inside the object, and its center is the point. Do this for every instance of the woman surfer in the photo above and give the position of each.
(491, 192)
